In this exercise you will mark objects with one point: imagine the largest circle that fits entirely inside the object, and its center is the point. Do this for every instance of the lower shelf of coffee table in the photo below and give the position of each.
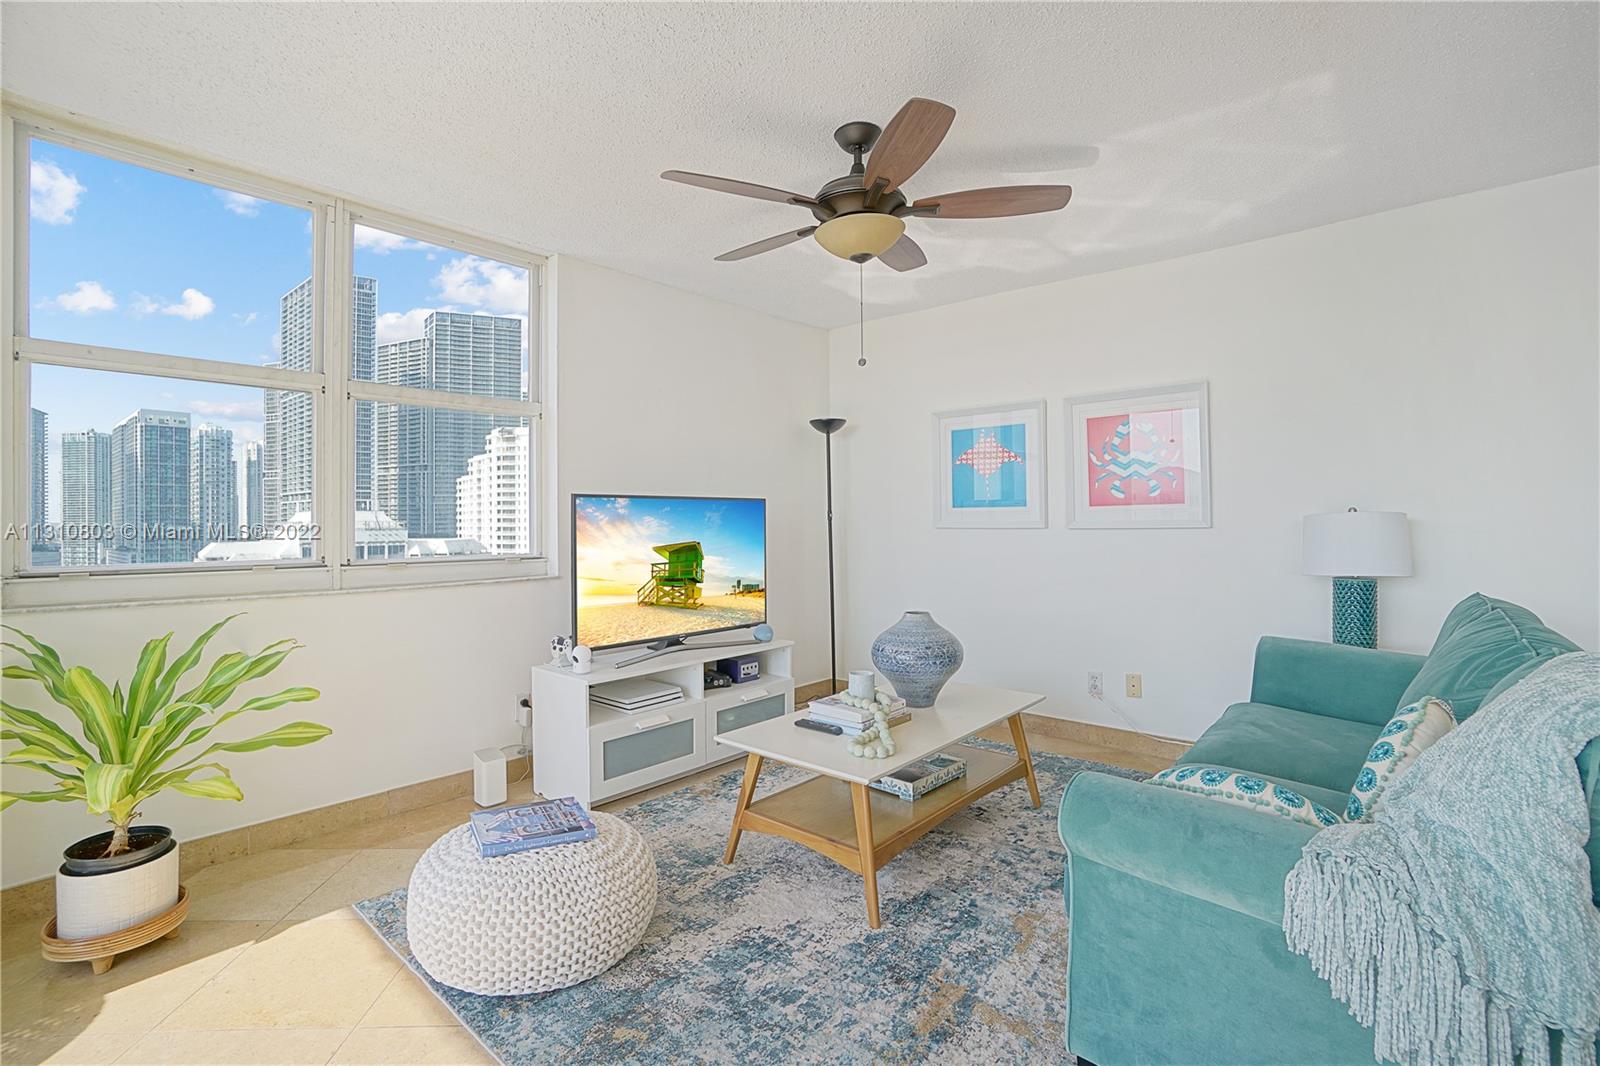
(818, 812)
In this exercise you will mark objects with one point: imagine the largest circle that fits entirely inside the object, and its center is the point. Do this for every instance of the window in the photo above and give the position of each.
(450, 331)
(207, 407)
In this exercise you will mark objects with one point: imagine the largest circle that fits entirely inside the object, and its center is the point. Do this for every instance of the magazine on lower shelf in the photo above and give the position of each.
(523, 826)
(922, 777)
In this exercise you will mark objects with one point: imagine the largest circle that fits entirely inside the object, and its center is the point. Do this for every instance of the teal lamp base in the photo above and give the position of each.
(1355, 611)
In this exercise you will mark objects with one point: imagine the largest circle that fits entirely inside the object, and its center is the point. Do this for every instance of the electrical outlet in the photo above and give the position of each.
(1134, 684)
(1097, 685)
(523, 715)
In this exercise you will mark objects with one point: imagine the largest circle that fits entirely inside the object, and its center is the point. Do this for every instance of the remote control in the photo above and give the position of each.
(821, 727)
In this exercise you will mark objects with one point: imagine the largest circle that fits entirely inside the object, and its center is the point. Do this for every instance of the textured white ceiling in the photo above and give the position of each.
(1181, 127)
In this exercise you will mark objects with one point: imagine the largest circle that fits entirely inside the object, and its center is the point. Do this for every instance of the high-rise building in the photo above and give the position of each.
(421, 451)
(85, 498)
(150, 488)
(288, 415)
(38, 470)
(252, 489)
(289, 441)
(492, 496)
(363, 367)
(213, 485)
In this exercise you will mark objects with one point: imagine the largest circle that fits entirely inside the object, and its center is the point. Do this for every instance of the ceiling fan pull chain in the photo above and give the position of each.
(861, 309)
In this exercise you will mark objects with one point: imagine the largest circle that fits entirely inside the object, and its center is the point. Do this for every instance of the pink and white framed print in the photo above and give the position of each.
(1139, 459)
(988, 467)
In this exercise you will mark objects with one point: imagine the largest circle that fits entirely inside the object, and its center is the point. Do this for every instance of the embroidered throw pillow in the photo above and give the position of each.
(1246, 790)
(1413, 728)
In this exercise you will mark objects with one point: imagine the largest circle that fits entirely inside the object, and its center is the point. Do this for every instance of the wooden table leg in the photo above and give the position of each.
(1020, 739)
(752, 770)
(861, 800)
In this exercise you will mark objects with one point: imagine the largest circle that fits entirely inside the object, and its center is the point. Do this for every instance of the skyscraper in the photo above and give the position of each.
(85, 497)
(38, 478)
(492, 496)
(288, 431)
(150, 488)
(421, 451)
(213, 485)
(363, 367)
(252, 489)
(39, 466)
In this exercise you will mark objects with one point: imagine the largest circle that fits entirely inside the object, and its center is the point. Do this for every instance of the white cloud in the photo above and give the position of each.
(239, 203)
(403, 326)
(53, 194)
(195, 304)
(143, 305)
(245, 320)
(86, 298)
(382, 242)
(484, 284)
(229, 410)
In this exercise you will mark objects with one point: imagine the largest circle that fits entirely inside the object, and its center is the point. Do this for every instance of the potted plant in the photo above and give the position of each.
(136, 742)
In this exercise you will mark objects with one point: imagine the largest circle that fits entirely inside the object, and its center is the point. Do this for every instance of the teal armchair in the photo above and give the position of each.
(1175, 901)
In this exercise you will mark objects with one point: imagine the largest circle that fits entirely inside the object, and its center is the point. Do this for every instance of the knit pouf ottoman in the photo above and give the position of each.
(534, 921)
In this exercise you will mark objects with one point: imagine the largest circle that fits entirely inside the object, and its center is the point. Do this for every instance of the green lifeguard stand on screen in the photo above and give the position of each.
(676, 582)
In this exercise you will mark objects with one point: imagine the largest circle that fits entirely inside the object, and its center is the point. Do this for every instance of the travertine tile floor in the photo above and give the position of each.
(273, 965)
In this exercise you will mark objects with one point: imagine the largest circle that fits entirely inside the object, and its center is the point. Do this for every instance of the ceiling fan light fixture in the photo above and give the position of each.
(860, 236)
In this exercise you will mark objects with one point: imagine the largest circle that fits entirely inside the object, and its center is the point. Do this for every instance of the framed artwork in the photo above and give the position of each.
(988, 467)
(1140, 459)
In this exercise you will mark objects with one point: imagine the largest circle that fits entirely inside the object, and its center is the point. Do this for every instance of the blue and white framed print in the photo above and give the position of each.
(988, 465)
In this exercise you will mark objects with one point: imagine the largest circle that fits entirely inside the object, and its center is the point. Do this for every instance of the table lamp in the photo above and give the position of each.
(1355, 548)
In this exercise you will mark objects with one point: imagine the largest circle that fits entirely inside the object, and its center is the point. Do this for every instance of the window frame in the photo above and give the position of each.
(334, 392)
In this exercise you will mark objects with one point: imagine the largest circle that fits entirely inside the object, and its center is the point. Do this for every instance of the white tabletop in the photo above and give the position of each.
(960, 711)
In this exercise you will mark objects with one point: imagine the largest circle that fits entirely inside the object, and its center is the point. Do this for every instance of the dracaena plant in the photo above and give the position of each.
(139, 742)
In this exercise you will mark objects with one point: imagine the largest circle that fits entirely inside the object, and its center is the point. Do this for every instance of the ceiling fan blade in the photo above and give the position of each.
(738, 188)
(1002, 202)
(904, 254)
(767, 245)
(907, 142)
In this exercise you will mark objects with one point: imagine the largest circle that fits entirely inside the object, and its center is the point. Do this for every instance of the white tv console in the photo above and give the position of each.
(588, 750)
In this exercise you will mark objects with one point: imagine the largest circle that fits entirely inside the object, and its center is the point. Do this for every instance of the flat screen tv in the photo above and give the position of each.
(656, 569)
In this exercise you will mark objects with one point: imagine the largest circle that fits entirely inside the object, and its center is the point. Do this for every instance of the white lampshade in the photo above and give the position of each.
(1357, 544)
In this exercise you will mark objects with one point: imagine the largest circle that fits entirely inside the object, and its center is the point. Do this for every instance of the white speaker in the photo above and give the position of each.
(488, 777)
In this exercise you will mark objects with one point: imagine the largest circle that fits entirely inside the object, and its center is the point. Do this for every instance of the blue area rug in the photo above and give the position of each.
(771, 959)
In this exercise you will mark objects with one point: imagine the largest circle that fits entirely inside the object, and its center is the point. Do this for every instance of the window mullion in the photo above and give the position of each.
(335, 482)
(184, 368)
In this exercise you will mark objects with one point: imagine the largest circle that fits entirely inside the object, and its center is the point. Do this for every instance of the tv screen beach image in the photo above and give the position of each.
(651, 567)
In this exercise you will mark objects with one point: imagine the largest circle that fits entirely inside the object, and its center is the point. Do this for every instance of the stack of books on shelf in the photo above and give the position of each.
(922, 777)
(524, 826)
(853, 720)
(635, 694)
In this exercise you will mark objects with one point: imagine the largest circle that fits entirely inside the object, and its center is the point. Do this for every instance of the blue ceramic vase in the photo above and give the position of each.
(917, 655)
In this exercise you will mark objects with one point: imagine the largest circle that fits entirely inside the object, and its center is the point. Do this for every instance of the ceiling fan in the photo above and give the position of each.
(861, 215)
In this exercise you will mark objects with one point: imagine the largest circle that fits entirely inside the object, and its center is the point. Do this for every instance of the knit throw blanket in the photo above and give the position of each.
(1458, 924)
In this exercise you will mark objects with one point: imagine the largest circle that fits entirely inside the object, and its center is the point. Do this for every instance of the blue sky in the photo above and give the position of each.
(128, 257)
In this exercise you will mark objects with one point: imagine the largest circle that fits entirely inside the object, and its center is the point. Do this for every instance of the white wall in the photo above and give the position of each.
(1439, 360)
(414, 680)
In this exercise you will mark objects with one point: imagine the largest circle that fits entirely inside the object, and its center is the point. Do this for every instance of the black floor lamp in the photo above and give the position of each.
(828, 427)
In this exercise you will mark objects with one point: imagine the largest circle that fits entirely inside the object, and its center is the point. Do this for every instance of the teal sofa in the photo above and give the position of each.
(1175, 901)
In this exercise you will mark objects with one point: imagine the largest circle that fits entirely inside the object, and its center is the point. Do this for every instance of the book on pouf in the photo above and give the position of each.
(922, 777)
(524, 826)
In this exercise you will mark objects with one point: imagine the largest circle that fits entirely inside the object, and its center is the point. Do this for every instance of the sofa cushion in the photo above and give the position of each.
(1285, 745)
(1413, 729)
(1481, 643)
(1247, 790)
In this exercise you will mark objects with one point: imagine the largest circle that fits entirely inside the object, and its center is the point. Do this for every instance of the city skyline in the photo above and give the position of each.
(143, 260)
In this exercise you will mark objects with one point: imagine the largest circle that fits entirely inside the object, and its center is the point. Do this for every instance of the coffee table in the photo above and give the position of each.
(835, 814)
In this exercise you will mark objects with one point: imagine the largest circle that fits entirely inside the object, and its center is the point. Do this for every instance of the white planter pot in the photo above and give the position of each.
(108, 903)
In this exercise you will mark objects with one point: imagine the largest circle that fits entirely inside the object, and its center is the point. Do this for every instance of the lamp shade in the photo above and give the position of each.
(1357, 544)
(860, 236)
